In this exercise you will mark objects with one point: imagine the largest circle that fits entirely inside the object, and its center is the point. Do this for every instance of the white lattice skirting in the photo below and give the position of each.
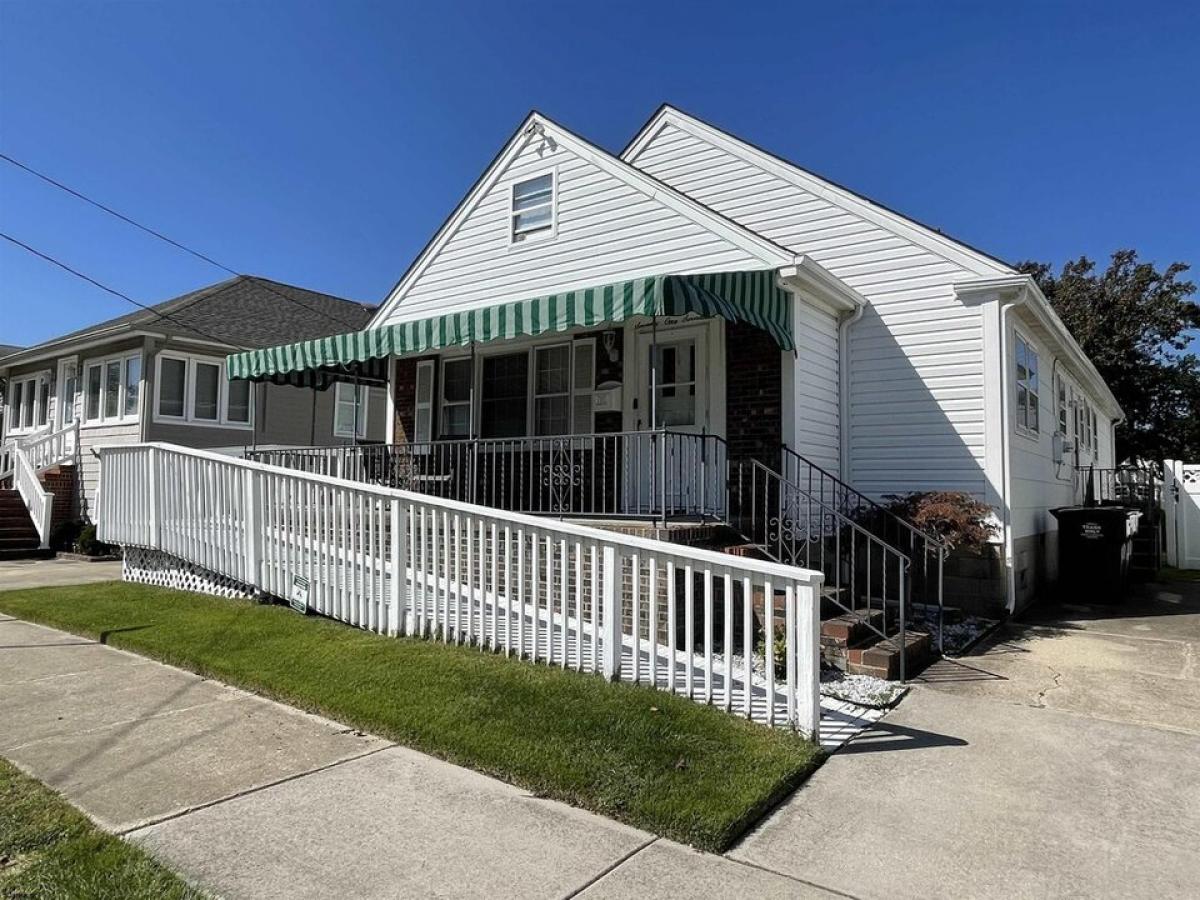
(155, 567)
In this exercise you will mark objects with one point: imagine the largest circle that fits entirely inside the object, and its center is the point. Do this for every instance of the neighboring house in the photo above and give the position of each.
(159, 375)
(810, 338)
(5, 350)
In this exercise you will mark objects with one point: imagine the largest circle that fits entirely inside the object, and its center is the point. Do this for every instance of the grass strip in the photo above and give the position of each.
(653, 760)
(49, 849)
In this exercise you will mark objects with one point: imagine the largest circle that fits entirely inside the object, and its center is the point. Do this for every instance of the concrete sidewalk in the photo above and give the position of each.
(250, 798)
(1058, 760)
(56, 572)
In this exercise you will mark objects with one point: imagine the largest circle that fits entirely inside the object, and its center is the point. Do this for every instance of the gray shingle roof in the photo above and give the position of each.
(246, 311)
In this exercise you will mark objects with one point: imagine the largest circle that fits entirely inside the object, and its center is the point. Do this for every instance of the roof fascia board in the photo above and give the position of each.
(810, 276)
(900, 225)
(756, 245)
(1023, 290)
(68, 347)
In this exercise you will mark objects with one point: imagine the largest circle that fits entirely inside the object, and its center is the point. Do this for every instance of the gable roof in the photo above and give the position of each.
(898, 223)
(769, 252)
(245, 311)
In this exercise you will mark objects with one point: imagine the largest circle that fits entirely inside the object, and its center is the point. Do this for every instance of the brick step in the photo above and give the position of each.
(851, 628)
(18, 533)
(881, 658)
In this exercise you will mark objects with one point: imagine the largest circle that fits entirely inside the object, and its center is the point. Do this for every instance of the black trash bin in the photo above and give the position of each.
(1094, 546)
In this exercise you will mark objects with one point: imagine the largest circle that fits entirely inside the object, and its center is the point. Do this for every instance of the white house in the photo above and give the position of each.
(774, 328)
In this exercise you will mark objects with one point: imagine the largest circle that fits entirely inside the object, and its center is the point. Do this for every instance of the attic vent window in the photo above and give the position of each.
(533, 208)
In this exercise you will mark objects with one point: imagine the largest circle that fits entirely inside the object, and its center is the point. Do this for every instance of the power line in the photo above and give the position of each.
(174, 243)
(116, 293)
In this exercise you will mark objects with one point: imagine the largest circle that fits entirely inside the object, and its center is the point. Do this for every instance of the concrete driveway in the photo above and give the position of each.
(1058, 760)
(55, 572)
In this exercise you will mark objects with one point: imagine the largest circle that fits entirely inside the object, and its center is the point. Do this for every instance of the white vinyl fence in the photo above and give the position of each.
(401, 563)
(1181, 501)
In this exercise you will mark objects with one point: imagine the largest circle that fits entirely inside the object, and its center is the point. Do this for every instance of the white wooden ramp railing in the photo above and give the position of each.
(38, 501)
(695, 622)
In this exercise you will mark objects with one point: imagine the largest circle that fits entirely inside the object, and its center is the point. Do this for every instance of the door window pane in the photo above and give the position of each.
(239, 401)
(133, 384)
(92, 405)
(112, 389)
(503, 408)
(172, 373)
(67, 397)
(349, 414)
(206, 391)
(675, 374)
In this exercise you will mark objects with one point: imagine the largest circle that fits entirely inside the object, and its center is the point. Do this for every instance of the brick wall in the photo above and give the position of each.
(61, 482)
(405, 388)
(754, 393)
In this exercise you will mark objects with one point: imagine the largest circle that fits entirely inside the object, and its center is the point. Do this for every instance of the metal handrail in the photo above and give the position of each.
(627, 474)
(773, 529)
(861, 498)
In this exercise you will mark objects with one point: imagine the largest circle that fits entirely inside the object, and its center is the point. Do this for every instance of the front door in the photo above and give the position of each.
(672, 396)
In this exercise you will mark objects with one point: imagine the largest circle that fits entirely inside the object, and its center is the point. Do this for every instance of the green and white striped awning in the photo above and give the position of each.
(753, 297)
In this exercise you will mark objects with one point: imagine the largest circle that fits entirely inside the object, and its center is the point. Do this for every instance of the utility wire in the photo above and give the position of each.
(174, 243)
(115, 292)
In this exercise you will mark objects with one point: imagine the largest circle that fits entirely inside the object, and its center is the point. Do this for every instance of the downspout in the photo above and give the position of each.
(1010, 563)
(844, 392)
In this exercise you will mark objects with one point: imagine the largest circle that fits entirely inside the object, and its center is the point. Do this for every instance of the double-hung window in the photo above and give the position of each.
(532, 208)
(1063, 418)
(455, 419)
(350, 410)
(28, 403)
(112, 389)
(1027, 386)
(503, 398)
(195, 390)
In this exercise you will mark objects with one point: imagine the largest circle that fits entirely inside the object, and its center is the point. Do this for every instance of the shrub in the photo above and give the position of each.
(955, 516)
(65, 534)
(88, 545)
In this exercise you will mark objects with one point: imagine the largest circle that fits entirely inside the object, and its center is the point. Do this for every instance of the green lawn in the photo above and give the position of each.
(656, 761)
(50, 849)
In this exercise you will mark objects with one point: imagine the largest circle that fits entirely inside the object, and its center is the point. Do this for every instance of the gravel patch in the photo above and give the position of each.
(862, 690)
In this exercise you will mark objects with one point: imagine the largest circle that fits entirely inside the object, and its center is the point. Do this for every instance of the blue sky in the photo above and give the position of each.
(323, 143)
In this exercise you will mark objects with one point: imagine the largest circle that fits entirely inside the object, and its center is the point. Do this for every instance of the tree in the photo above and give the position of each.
(1133, 321)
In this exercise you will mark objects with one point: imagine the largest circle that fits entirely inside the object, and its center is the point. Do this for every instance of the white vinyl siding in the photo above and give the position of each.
(817, 412)
(605, 231)
(916, 389)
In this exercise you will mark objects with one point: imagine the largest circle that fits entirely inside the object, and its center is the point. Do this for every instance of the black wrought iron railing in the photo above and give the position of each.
(1132, 486)
(925, 551)
(636, 474)
(864, 575)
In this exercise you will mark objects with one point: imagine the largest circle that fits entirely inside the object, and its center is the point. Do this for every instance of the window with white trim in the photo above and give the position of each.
(532, 208)
(68, 387)
(454, 419)
(1064, 421)
(1027, 386)
(28, 403)
(195, 390)
(503, 395)
(350, 410)
(112, 389)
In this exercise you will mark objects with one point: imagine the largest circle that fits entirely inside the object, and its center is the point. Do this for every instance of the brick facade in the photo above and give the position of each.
(61, 482)
(404, 390)
(753, 394)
